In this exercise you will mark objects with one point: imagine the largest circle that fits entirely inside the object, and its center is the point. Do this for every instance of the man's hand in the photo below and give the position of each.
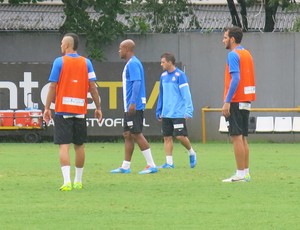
(226, 109)
(98, 114)
(132, 109)
(47, 116)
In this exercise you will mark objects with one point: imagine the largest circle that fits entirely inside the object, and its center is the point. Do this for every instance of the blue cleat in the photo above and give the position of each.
(149, 170)
(167, 166)
(121, 170)
(193, 161)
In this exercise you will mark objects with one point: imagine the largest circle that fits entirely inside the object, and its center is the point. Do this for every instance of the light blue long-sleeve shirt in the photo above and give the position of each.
(174, 100)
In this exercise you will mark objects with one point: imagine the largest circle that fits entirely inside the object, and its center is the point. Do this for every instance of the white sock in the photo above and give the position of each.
(247, 171)
(169, 160)
(240, 173)
(126, 165)
(66, 174)
(191, 151)
(78, 175)
(148, 156)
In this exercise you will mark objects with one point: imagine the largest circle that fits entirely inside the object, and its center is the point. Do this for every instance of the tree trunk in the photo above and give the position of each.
(270, 9)
(234, 15)
(244, 14)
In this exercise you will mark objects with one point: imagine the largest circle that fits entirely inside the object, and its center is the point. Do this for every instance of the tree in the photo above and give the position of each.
(235, 19)
(234, 15)
(99, 20)
(96, 20)
(244, 14)
(271, 7)
(296, 27)
(160, 16)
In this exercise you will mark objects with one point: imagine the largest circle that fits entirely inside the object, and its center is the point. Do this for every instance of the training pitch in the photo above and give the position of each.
(179, 198)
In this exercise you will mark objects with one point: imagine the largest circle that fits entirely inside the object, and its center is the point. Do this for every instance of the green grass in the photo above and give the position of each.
(180, 198)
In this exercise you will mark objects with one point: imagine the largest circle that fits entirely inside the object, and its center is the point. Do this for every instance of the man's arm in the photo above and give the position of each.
(234, 69)
(159, 102)
(96, 98)
(187, 97)
(235, 79)
(50, 98)
(135, 92)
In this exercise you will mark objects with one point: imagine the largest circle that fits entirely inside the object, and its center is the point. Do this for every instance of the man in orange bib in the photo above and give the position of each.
(239, 92)
(71, 78)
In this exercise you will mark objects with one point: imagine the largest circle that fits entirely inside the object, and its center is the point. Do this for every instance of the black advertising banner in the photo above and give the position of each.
(25, 85)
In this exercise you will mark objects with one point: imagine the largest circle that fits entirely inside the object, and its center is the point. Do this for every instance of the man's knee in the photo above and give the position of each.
(127, 135)
(181, 138)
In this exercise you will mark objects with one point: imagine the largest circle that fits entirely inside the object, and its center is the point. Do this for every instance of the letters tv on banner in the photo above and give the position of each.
(25, 85)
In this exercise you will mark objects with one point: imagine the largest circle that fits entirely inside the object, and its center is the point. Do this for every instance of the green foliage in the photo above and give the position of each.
(296, 26)
(96, 20)
(295, 8)
(271, 3)
(99, 20)
(158, 16)
(271, 7)
(250, 2)
(283, 3)
(138, 23)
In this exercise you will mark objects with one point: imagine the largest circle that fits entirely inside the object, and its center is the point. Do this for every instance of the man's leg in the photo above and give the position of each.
(79, 165)
(168, 146)
(128, 148)
(144, 146)
(246, 148)
(240, 154)
(80, 155)
(184, 140)
(65, 165)
(64, 154)
(247, 170)
(129, 145)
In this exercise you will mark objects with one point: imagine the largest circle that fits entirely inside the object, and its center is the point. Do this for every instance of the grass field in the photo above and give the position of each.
(180, 198)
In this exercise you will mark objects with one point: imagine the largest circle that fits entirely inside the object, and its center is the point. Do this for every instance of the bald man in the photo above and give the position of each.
(134, 98)
(71, 78)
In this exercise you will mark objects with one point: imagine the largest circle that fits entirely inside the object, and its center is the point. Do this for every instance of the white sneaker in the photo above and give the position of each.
(234, 178)
(247, 177)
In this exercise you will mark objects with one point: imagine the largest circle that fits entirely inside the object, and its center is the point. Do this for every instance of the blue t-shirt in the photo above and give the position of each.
(174, 100)
(133, 75)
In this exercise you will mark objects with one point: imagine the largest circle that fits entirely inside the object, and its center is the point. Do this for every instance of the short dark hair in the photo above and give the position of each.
(235, 32)
(75, 39)
(169, 57)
